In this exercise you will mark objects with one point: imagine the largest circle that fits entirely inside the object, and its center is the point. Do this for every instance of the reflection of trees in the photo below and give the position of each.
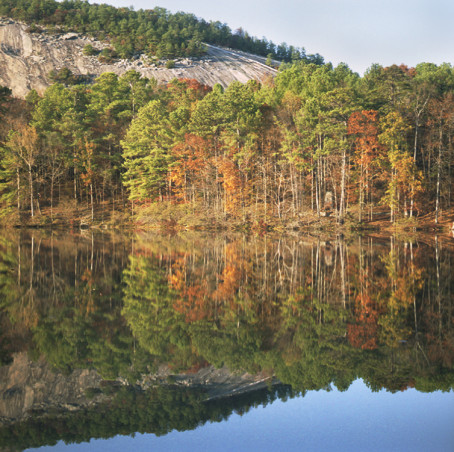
(62, 293)
(435, 337)
(404, 283)
(158, 328)
(312, 312)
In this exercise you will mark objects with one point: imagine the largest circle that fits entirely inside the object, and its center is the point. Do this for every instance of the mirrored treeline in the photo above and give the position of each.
(308, 312)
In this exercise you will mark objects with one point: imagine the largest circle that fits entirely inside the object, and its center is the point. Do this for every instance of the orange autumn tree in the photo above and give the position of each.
(186, 91)
(188, 174)
(230, 278)
(363, 126)
(363, 332)
(231, 183)
(192, 293)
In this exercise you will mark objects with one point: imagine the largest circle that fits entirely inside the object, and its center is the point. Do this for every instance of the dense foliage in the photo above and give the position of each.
(156, 32)
(317, 139)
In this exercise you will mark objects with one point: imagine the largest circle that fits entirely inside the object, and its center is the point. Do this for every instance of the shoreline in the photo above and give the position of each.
(168, 217)
(323, 227)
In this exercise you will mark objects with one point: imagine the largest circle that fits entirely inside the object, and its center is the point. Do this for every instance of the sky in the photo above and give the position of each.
(356, 32)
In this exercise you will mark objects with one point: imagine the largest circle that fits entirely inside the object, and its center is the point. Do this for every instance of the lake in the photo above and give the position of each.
(197, 341)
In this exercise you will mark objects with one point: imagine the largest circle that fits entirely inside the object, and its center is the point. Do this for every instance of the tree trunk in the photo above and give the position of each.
(437, 200)
(18, 190)
(75, 182)
(30, 181)
(91, 200)
(52, 198)
(361, 190)
(342, 200)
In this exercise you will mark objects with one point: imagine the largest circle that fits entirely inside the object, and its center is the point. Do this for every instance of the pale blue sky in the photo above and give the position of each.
(357, 32)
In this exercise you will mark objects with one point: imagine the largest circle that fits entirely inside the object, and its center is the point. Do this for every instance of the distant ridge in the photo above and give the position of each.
(26, 59)
(154, 31)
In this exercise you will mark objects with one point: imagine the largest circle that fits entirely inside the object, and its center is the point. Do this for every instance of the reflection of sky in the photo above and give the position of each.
(355, 420)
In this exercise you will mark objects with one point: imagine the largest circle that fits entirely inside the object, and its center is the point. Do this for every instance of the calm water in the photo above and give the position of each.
(322, 344)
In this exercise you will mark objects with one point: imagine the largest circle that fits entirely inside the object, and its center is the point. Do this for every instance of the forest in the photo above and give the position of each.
(155, 32)
(317, 144)
(316, 141)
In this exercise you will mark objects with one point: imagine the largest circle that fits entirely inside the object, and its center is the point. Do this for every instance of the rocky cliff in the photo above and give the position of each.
(27, 58)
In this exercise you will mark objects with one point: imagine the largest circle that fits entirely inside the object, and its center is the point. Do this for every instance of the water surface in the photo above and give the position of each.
(323, 344)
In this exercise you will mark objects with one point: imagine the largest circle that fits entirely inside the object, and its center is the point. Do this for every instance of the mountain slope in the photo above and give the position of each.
(27, 58)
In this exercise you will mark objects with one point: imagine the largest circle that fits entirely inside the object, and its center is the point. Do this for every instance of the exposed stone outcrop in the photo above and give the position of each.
(27, 58)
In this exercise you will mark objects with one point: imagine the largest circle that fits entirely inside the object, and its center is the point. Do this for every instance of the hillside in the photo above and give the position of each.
(26, 59)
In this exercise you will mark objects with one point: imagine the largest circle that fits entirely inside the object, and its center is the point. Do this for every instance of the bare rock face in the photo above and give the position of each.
(27, 58)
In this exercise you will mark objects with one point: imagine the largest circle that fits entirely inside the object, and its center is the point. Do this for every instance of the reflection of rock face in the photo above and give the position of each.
(27, 58)
(27, 385)
(328, 200)
(329, 256)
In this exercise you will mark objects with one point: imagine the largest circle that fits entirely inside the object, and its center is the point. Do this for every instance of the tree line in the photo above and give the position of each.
(156, 32)
(318, 140)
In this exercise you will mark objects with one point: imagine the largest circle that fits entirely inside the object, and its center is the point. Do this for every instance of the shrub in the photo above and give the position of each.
(89, 50)
(107, 55)
(33, 28)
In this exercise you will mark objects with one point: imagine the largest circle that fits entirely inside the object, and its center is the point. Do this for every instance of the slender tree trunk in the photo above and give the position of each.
(75, 182)
(294, 190)
(91, 200)
(18, 190)
(30, 181)
(415, 145)
(32, 267)
(317, 188)
(52, 198)
(342, 200)
(392, 197)
(437, 200)
(361, 191)
(312, 190)
(265, 188)
(412, 199)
